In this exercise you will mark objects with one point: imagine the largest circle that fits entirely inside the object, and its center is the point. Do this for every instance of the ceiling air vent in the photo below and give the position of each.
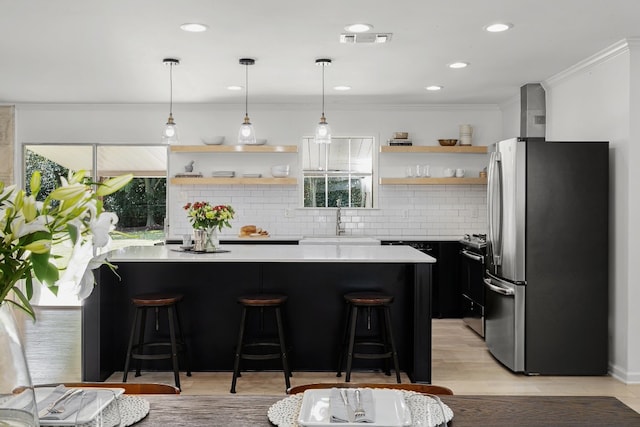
(365, 37)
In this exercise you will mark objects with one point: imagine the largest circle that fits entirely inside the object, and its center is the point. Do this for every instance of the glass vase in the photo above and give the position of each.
(212, 243)
(17, 396)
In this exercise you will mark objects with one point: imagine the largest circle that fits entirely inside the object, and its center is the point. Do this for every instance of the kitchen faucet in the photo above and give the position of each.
(339, 225)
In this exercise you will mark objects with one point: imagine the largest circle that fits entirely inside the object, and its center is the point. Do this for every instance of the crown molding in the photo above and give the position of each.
(618, 48)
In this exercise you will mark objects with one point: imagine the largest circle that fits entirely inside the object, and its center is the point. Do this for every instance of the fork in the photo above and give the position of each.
(58, 406)
(358, 413)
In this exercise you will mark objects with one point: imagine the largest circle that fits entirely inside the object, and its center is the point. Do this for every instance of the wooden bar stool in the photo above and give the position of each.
(252, 350)
(176, 343)
(356, 302)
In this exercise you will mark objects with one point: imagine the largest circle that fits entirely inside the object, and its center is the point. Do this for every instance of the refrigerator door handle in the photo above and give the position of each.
(472, 256)
(498, 289)
(494, 194)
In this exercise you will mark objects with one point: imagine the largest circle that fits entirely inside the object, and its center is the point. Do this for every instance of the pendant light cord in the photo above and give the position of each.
(171, 90)
(246, 91)
(323, 65)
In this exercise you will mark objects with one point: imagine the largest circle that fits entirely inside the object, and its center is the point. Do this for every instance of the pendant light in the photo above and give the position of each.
(170, 131)
(323, 131)
(246, 135)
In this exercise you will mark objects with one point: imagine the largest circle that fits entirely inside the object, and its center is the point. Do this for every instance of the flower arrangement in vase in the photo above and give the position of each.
(206, 219)
(71, 215)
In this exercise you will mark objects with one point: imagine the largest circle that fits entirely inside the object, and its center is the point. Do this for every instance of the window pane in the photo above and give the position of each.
(141, 206)
(54, 161)
(341, 170)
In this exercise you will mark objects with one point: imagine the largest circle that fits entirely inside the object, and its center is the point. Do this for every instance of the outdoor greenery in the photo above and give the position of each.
(315, 192)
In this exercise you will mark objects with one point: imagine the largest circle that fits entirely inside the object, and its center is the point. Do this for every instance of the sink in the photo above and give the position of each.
(339, 240)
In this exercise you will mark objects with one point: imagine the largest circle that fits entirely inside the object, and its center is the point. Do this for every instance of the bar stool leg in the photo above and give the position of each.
(174, 347)
(183, 342)
(387, 317)
(384, 337)
(352, 338)
(236, 363)
(141, 332)
(130, 346)
(345, 337)
(283, 349)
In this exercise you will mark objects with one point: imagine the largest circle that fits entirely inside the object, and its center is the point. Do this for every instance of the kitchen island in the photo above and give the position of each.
(314, 277)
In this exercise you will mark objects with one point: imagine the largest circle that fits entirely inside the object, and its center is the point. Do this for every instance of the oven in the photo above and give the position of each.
(472, 259)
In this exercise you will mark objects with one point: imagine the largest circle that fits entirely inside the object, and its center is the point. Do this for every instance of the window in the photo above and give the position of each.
(342, 170)
(140, 206)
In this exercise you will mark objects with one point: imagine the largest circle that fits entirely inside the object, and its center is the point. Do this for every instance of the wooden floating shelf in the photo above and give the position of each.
(461, 149)
(234, 148)
(234, 181)
(433, 181)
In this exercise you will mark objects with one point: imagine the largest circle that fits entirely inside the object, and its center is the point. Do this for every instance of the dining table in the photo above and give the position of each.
(480, 410)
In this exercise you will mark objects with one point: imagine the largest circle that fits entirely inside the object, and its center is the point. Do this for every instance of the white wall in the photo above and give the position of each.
(402, 211)
(597, 100)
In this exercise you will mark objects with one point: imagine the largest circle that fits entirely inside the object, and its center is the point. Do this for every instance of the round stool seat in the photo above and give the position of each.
(368, 298)
(262, 300)
(156, 299)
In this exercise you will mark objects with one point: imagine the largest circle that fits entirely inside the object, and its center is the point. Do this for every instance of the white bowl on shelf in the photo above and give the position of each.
(213, 140)
(259, 142)
(280, 171)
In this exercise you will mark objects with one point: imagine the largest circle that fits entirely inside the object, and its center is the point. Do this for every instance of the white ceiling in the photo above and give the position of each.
(111, 51)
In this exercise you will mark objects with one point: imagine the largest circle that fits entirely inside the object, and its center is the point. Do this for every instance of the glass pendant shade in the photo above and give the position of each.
(170, 132)
(246, 135)
(323, 132)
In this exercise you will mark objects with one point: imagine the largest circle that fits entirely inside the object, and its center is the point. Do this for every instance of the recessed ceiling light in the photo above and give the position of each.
(358, 28)
(434, 87)
(459, 64)
(235, 87)
(498, 27)
(193, 27)
(342, 88)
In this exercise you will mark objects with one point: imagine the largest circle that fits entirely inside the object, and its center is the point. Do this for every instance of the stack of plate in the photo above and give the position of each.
(252, 175)
(466, 132)
(223, 174)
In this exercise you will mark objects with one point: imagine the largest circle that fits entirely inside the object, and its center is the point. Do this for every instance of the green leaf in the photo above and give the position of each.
(43, 269)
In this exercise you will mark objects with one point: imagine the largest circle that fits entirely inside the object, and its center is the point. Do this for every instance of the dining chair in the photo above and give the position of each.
(419, 388)
(129, 388)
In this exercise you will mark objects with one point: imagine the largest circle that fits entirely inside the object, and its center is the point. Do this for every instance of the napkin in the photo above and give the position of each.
(341, 413)
(71, 405)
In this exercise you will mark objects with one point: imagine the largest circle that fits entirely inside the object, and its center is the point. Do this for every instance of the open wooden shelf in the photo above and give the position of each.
(460, 149)
(233, 181)
(234, 148)
(433, 181)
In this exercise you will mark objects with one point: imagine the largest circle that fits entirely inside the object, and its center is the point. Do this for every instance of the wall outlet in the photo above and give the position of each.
(289, 213)
(405, 213)
(474, 213)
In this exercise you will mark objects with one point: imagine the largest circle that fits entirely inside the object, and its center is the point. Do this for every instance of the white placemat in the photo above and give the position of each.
(132, 410)
(284, 413)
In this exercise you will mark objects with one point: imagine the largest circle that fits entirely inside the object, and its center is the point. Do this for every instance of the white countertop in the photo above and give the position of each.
(275, 253)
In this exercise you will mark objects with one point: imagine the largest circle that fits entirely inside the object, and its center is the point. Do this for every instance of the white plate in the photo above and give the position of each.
(84, 415)
(391, 409)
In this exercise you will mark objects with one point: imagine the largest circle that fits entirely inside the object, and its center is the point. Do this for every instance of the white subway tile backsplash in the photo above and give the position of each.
(402, 211)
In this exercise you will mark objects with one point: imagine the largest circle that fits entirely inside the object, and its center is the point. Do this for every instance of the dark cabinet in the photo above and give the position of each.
(445, 291)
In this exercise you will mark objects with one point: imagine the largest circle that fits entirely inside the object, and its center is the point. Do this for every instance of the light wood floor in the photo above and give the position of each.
(460, 362)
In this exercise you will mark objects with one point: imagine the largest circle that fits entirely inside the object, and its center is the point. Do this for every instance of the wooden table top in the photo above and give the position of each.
(245, 410)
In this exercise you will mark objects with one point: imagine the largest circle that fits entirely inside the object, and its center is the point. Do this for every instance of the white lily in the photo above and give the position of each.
(101, 227)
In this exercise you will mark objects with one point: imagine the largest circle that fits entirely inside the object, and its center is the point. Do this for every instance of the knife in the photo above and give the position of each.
(345, 399)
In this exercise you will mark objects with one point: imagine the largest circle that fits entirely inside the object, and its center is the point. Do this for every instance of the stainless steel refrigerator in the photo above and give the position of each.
(546, 284)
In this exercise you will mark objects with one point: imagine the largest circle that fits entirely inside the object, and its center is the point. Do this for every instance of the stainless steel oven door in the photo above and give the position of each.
(504, 321)
(471, 276)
